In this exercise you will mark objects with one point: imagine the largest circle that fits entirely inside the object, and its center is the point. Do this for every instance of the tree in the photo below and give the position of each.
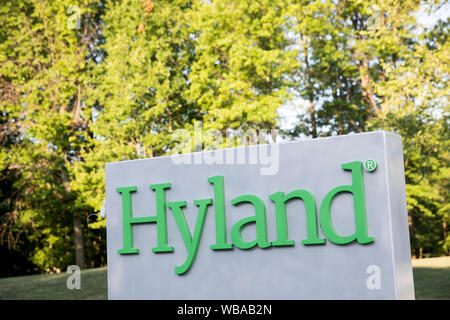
(82, 84)
(369, 66)
(239, 74)
(184, 65)
(329, 75)
(140, 86)
(415, 104)
(45, 64)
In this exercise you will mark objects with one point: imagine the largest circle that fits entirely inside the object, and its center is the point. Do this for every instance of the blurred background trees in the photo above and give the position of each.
(86, 82)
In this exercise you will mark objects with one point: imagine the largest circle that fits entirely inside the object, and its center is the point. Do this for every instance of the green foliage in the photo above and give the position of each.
(132, 72)
(142, 96)
(370, 66)
(414, 103)
(44, 66)
(237, 78)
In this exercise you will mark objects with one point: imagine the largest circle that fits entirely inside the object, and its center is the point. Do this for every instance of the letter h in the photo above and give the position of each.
(160, 219)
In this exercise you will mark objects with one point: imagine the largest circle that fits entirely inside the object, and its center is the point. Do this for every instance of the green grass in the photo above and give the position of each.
(431, 281)
(432, 278)
(54, 286)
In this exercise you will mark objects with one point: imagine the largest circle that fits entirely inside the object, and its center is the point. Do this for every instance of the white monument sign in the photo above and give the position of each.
(323, 219)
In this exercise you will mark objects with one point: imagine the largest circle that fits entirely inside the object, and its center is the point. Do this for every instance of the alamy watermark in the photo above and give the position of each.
(375, 17)
(74, 281)
(74, 19)
(228, 147)
(374, 279)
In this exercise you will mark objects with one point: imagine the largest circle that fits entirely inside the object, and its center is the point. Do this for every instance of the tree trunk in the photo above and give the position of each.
(364, 71)
(78, 236)
(412, 234)
(77, 227)
(366, 86)
(310, 86)
(444, 226)
(312, 115)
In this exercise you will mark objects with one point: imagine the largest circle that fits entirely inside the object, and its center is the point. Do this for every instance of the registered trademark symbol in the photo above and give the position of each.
(370, 165)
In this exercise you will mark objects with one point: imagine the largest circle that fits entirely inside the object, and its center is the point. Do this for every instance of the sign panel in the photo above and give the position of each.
(315, 219)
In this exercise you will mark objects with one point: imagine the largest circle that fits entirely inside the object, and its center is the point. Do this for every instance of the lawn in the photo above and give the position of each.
(53, 286)
(431, 281)
(432, 278)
